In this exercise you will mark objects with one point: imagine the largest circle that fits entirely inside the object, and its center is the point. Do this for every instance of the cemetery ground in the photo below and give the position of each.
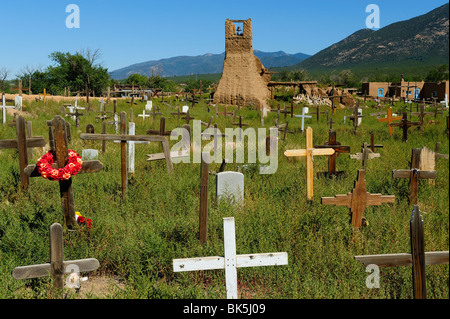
(136, 237)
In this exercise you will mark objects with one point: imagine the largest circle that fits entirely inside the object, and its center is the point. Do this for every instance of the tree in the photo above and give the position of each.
(4, 72)
(439, 73)
(77, 71)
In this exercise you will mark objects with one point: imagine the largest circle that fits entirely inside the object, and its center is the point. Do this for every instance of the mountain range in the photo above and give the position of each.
(202, 64)
(420, 41)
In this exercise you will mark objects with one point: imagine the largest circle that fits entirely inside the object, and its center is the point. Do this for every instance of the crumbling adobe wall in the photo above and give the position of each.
(244, 79)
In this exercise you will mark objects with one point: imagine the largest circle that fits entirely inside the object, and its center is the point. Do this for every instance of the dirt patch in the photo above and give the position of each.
(100, 287)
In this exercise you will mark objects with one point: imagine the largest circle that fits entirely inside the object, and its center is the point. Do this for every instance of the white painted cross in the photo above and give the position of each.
(303, 116)
(230, 262)
(144, 115)
(4, 106)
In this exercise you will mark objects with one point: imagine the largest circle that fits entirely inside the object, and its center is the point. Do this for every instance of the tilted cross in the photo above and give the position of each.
(58, 140)
(309, 152)
(303, 116)
(123, 138)
(358, 200)
(414, 174)
(404, 125)
(57, 266)
(230, 261)
(389, 119)
(22, 143)
(418, 258)
(338, 148)
(284, 128)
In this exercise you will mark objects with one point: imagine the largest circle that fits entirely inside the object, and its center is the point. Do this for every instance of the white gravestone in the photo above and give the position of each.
(148, 106)
(185, 109)
(18, 102)
(230, 185)
(89, 154)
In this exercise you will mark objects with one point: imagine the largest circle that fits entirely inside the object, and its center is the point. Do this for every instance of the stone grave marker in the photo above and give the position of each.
(230, 185)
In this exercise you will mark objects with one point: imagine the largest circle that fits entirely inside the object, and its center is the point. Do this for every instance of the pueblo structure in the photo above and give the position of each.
(244, 79)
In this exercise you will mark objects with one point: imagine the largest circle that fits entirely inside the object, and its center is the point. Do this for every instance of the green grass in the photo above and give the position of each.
(137, 237)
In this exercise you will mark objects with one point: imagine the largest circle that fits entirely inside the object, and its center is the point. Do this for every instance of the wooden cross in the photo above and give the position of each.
(178, 112)
(365, 155)
(225, 113)
(58, 140)
(162, 129)
(22, 143)
(230, 261)
(355, 116)
(372, 143)
(309, 152)
(414, 174)
(303, 116)
(330, 121)
(154, 113)
(123, 138)
(338, 148)
(284, 128)
(358, 200)
(188, 118)
(404, 125)
(240, 124)
(204, 181)
(214, 134)
(57, 266)
(389, 119)
(44, 95)
(421, 114)
(318, 112)
(418, 258)
(76, 115)
(4, 106)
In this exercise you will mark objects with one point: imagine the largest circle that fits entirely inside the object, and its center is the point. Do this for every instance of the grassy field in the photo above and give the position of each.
(135, 238)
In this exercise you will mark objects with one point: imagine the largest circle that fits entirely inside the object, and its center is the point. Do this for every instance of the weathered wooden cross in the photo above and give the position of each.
(414, 174)
(404, 125)
(365, 155)
(162, 129)
(309, 152)
(240, 124)
(421, 114)
(123, 138)
(230, 261)
(358, 200)
(22, 143)
(58, 140)
(338, 148)
(372, 143)
(418, 258)
(57, 266)
(355, 116)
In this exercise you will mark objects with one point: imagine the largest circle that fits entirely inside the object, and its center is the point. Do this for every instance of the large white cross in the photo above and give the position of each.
(4, 106)
(230, 262)
(303, 116)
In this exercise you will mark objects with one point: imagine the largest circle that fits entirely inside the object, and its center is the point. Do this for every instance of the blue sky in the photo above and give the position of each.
(133, 31)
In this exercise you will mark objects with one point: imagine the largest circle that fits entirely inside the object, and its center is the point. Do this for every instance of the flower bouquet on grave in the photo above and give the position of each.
(83, 220)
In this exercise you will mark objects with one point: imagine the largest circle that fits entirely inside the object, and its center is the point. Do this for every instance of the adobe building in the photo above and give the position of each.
(409, 90)
(244, 79)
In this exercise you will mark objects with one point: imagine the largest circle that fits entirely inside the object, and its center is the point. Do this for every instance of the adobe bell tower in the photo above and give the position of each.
(244, 79)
